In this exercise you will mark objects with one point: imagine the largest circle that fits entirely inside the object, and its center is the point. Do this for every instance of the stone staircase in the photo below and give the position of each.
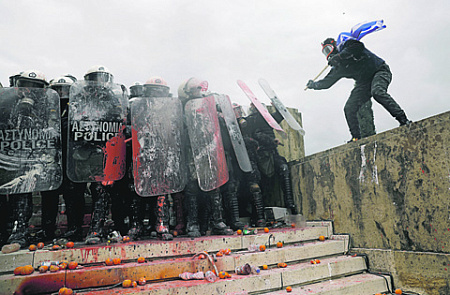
(336, 273)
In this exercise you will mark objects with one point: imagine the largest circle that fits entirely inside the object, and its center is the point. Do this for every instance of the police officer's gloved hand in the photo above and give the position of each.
(334, 60)
(311, 84)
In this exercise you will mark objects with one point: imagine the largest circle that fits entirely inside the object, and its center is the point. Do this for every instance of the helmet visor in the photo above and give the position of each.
(63, 90)
(30, 83)
(327, 49)
(99, 77)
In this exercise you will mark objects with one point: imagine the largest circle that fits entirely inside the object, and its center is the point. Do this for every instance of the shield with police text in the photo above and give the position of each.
(206, 142)
(159, 166)
(237, 141)
(96, 140)
(30, 140)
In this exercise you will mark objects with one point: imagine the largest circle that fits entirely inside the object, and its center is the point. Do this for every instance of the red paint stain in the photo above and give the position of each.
(114, 158)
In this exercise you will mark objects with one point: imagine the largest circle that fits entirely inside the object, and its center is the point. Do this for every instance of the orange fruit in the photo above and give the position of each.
(43, 268)
(40, 245)
(222, 251)
(65, 291)
(219, 254)
(265, 267)
(317, 261)
(53, 268)
(227, 251)
(73, 265)
(279, 244)
(313, 262)
(201, 256)
(227, 275)
(27, 270)
(18, 270)
(134, 284)
(266, 229)
(239, 232)
(141, 260)
(70, 245)
(398, 291)
(262, 248)
(109, 261)
(292, 225)
(282, 265)
(288, 289)
(222, 274)
(126, 283)
(32, 247)
(126, 239)
(378, 294)
(322, 238)
(142, 281)
(116, 261)
(63, 265)
(55, 247)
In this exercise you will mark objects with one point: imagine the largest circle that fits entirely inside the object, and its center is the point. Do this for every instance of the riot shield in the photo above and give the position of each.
(237, 140)
(159, 166)
(280, 106)
(30, 140)
(96, 140)
(206, 142)
(262, 109)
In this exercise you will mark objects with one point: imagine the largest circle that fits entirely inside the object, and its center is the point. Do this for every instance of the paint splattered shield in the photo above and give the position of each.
(206, 142)
(159, 165)
(30, 140)
(96, 141)
(237, 141)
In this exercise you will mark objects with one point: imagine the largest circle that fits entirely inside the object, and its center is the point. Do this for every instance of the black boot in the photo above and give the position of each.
(258, 205)
(233, 211)
(49, 207)
(100, 203)
(74, 200)
(218, 226)
(22, 206)
(136, 217)
(178, 206)
(162, 218)
(287, 189)
(190, 201)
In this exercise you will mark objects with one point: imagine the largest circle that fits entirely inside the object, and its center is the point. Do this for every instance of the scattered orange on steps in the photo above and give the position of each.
(292, 225)
(322, 238)
(70, 245)
(63, 265)
(219, 254)
(222, 275)
(126, 283)
(40, 245)
(27, 270)
(141, 260)
(142, 281)
(279, 244)
(73, 265)
(43, 268)
(117, 261)
(282, 265)
(126, 239)
(32, 247)
(109, 261)
(288, 289)
(262, 248)
(239, 232)
(378, 294)
(266, 229)
(53, 268)
(65, 291)
(134, 284)
(55, 247)
(18, 270)
(265, 267)
(398, 291)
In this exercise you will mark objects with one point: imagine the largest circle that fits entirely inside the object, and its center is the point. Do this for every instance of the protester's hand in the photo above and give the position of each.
(311, 84)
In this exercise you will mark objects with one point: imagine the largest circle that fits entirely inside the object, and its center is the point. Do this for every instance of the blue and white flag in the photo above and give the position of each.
(358, 31)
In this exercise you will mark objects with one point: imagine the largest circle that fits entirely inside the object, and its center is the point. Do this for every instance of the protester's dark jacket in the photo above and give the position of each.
(354, 62)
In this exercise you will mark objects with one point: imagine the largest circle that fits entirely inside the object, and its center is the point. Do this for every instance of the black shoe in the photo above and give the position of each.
(407, 123)
(93, 238)
(353, 139)
(74, 234)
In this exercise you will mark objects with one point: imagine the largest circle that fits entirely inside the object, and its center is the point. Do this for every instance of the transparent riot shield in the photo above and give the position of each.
(237, 140)
(262, 109)
(206, 142)
(30, 140)
(96, 141)
(159, 166)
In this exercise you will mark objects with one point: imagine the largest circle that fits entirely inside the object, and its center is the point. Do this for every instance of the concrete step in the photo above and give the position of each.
(151, 249)
(359, 284)
(267, 281)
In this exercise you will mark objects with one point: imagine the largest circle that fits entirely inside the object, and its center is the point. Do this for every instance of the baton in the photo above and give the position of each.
(315, 78)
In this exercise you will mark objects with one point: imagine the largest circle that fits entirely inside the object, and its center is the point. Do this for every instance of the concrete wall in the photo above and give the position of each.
(391, 193)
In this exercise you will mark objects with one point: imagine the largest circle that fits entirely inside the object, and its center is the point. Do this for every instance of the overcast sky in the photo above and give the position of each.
(223, 41)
